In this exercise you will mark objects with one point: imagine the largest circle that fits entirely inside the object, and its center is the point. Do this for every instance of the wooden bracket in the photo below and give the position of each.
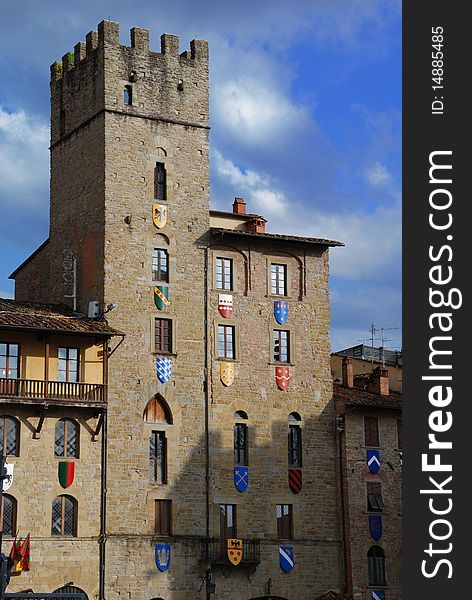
(99, 426)
(39, 426)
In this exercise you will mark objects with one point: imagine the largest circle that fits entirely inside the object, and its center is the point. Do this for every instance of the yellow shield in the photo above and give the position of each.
(234, 549)
(159, 215)
(227, 372)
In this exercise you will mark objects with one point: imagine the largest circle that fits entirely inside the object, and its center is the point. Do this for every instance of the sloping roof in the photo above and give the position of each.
(27, 260)
(246, 216)
(275, 236)
(32, 316)
(358, 397)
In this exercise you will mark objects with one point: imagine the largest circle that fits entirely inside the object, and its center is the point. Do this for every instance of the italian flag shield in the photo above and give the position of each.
(66, 473)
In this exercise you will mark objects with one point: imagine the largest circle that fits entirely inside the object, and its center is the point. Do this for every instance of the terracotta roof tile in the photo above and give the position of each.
(359, 397)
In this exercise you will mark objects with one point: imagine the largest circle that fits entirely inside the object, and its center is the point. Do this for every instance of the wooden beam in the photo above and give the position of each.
(39, 426)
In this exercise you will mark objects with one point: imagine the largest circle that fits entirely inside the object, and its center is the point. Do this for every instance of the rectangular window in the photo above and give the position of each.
(158, 457)
(399, 433)
(240, 445)
(374, 496)
(163, 336)
(163, 517)
(228, 521)
(224, 274)
(160, 265)
(9, 360)
(281, 345)
(160, 184)
(294, 446)
(226, 341)
(278, 280)
(284, 521)
(371, 431)
(68, 364)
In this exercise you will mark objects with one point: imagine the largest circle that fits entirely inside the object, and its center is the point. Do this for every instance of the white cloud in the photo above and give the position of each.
(378, 175)
(24, 158)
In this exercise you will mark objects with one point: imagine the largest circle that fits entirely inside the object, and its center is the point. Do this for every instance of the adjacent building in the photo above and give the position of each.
(220, 455)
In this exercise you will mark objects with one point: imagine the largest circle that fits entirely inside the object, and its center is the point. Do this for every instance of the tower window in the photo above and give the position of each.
(160, 182)
(64, 516)
(226, 341)
(224, 274)
(228, 521)
(371, 431)
(163, 517)
(281, 345)
(284, 521)
(375, 501)
(128, 95)
(158, 457)
(240, 445)
(278, 278)
(8, 515)
(66, 439)
(294, 446)
(163, 336)
(160, 265)
(376, 566)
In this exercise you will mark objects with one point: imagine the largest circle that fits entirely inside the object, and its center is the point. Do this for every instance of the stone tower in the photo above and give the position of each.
(129, 145)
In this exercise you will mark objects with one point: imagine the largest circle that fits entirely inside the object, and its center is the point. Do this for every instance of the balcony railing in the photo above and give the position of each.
(61, 392)
(215, 552)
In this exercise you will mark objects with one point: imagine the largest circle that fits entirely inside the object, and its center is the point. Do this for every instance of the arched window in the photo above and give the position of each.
(66, 440)
(157, 411)
(240, 433)
(64, 516)
(9, 436)
(71, 589)
(8, 514)
(376, 566)
(294, 441)
(128, 95)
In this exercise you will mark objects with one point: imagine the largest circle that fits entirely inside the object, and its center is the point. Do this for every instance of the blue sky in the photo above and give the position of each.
(306, 126)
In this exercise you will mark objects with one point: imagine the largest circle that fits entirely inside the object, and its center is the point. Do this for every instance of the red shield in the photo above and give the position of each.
(225, 305)
(282, 377)
(295, 480)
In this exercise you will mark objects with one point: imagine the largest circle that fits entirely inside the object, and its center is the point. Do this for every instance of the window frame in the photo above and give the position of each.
(68, 360)
(368, 435)
(240, 452)
(14, 514)
(128, 95)
(8, 356)
(226, 326)
(16, 423)
(224, 521)
(67, 422)
(159, 504)
(284, 522)
(155, 468)
(376, 565)
(277, 279)
(156, 273)
(277, 330)
(171, 336)
(160, 187)
(293, 450)
(64, 498)
(375, 501)
(231, 274)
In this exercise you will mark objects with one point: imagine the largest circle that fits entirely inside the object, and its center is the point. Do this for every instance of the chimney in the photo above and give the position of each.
(257, 225)
(239, 206)
(378, 383)
(348, 373)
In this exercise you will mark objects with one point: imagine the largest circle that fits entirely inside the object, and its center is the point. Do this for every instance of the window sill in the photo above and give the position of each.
(164, 354)
(279, 297)
(281, 364)
(223, 359)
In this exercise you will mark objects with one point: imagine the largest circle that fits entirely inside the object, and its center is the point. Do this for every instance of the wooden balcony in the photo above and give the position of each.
(215, 552)
(37, 391)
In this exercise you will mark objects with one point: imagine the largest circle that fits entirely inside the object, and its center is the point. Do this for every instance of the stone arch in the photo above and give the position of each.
(70, 588)
(301, 269)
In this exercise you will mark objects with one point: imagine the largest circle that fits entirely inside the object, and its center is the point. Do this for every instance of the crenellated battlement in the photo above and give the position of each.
(107, 38)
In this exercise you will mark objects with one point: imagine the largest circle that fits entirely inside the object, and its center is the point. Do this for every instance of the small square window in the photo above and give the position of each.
(278, 279)
(224, 274)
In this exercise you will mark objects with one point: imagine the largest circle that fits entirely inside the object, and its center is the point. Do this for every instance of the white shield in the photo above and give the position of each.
(9, 477)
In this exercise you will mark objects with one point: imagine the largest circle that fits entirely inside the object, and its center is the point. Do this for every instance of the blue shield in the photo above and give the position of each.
(164, 369)
(162, 556)
(286, 558)
(281, 311)
(375, 527)
(241, 478)
(373, 460)
(378, 594)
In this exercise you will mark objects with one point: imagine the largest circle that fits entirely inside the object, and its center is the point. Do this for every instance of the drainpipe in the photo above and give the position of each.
(103, 491)
(207, 398)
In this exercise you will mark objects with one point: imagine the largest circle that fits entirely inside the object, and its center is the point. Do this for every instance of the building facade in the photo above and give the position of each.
(369, 439)
(220, 409)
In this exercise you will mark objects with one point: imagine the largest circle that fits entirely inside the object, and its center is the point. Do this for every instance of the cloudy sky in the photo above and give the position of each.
(306, 126)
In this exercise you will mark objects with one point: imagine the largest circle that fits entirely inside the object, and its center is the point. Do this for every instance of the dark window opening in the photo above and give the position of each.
(228, 521)
(240, 445)
(294, 446)
(376, 566)
(9, 436)
(371, 431)
(374, 496)
(163, 517)
(284, 521)
(160, 182)
(158, 457)
(66, 439)
(399, 434)
(163, 336)
(8, 515)
(128, 95)
(64, 516)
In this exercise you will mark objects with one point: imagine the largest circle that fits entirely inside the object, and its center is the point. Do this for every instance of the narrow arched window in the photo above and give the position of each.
(294, 441)
(64, 516)
(9, 436)
(240, 435)
(376, 566)
(71, 589)
(66, 440)
(8, 514)
(128, 95)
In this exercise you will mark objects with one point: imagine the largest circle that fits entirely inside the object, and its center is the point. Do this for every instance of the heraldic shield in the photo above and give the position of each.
(295, 481)
(225, 305)
(159, 215)
(281, 311)
(234, 550)
(378, 594)
(227, 373)
(161, 296)
(65, 473)
(282, 377)
(164, 369)
(241, 478)
(373, 460)
(162, 556)
(286, 558)
(375, 527)
(7, 482)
